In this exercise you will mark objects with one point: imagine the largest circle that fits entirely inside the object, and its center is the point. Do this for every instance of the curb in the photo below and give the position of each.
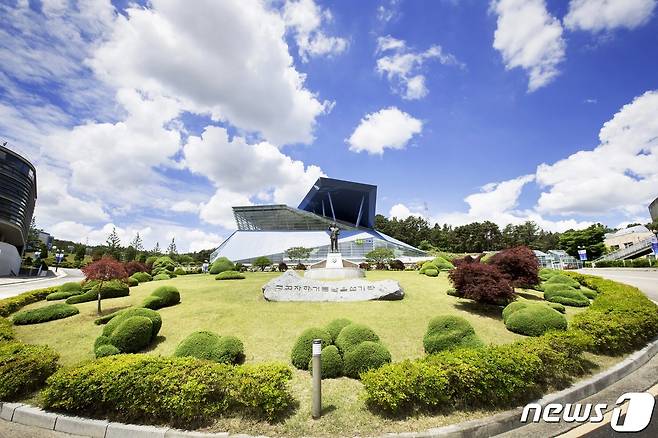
(485, 427)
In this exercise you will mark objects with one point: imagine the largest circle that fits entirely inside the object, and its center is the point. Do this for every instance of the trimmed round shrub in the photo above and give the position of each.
(102, 340)
(131, 282)
(331, 363)
(142, 277)
(303, 348)
(589, 293)
(111, 289)
(88, 285)
(426, 266)
(552, 288)
(24, 368)
(45, 314)
(154, 316)
(431, 272)
(210, 346)
(6, 330)
(368, 355)
(335, 326)
(230, 275)
(55, 296)
(447, 332)
(180, 271)
(161, 277)
(557, 306)
(442, 264)
(164, 296)
(396, 265)
(568, 297)
(352, 335)
(534, 319)
(71, 286)
(133, 334)
(106, 350)
(563, 279)
(546, 273)
(220, 265)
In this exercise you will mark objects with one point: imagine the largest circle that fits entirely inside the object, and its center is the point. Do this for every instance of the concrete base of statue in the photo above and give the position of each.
(291, 287)
(334, 268)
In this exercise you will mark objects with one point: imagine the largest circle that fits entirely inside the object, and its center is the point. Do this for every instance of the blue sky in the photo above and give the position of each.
(156, 118)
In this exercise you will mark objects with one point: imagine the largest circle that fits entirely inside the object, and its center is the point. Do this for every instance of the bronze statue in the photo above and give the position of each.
(334, 231)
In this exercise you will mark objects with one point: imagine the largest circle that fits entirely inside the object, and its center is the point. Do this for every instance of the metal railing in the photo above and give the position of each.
(623, 253)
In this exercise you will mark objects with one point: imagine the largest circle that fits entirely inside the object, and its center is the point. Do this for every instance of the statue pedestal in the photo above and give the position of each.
(334, 261)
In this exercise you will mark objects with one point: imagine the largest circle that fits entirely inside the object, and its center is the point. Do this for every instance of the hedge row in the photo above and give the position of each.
(24, 368)
(12, 304)
(494, 376)
(6, 330)
(621, 319)
(45, 314)
(182, 392)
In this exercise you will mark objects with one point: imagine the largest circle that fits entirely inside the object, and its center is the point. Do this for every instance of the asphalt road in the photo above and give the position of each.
(19, 286)
(644, 279)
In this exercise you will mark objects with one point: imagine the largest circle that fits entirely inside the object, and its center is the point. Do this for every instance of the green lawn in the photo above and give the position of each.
(269, 330)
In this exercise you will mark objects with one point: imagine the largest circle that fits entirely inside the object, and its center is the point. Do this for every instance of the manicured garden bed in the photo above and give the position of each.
(268, 332)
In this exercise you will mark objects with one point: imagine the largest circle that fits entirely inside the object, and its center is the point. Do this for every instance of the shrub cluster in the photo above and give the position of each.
(128, 331)
(564, 294)
(396, 265)
(438, 264)
(24, 368)
(12, 304)
(220, 265)
(546, 273)
(45, 314)
(347, 349)
(131, 282)
(564, 280)
(519, 265)
(494, 376)
(211, 346)
(163, 266)
(182, 392)
(481, 282)
(142, 277)
(532, 319)
(159, 277)
(134, 267)
(620, 319)
(230, 275)
(111, 289)
(55, 296)
(71, 286)
(449, 332)
(164, 296)
(6, 330)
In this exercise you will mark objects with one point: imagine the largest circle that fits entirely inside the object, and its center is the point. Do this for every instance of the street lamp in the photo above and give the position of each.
(59, 256)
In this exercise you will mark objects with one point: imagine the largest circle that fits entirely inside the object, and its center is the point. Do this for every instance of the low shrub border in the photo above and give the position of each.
(182, 392)
(45, 314)
(620, 319)
(24, 368)
(12, 304)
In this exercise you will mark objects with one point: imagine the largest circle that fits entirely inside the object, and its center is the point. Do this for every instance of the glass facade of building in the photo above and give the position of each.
(269, 230)
(18, 192)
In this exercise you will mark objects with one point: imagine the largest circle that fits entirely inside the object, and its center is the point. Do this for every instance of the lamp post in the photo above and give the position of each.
(59, 256)
(317, 379)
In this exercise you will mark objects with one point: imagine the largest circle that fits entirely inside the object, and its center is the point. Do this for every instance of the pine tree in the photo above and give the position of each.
(156, 250)
(171, 249)
(33, 235)
(137, 242)
(114, 244)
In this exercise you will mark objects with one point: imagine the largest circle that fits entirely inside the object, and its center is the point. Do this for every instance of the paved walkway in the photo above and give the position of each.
(644, 279)
(14, 430)
(11, 286)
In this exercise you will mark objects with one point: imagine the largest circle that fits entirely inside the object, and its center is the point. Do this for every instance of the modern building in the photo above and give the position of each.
(557, 259)
(627, 237)
(269, 230)
(653, 210)
(18, 193)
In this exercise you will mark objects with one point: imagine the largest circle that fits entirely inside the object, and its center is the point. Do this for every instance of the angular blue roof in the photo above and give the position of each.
(345, 201)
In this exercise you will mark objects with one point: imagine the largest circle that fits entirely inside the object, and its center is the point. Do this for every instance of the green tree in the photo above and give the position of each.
(113, 244)
(137, 242)
(80, 252)
(33, 241)
(156, 249)
(262, 262)
(590, 238)
(129, 254)
(171, 249)
(298, 253)
(380, 255)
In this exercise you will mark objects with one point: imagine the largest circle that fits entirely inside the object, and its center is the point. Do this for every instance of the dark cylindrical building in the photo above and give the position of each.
(18, 193)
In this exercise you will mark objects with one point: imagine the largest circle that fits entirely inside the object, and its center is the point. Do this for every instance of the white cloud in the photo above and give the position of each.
(305, 18)
(240, 170)
(388, 11)
(198, 53)
(401, 211)
(620, 174)
(401, 66)
(600, 15)
(527, 36)
(387, 128)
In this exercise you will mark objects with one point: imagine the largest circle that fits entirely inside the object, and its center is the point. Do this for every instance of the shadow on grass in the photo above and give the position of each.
(487, 310)
(153, 345)
(529, 296)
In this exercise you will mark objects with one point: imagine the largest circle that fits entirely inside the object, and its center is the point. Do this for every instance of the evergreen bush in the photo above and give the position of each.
(352, 335)
(335, 326)
(164, 296)
(331, 363)
(142, 277)
(533, 319)
(303, 348)
(45, 314)
(220, 265)
(447, 332)
(230, 275)
(24, 368)
(367, 355)
(154, 316)
(111, 289)
(133, 334)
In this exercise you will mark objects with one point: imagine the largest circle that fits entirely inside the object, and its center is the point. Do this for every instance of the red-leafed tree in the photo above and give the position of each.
(519, 265)
(135, 266)
(481, 282)
(105, 269)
